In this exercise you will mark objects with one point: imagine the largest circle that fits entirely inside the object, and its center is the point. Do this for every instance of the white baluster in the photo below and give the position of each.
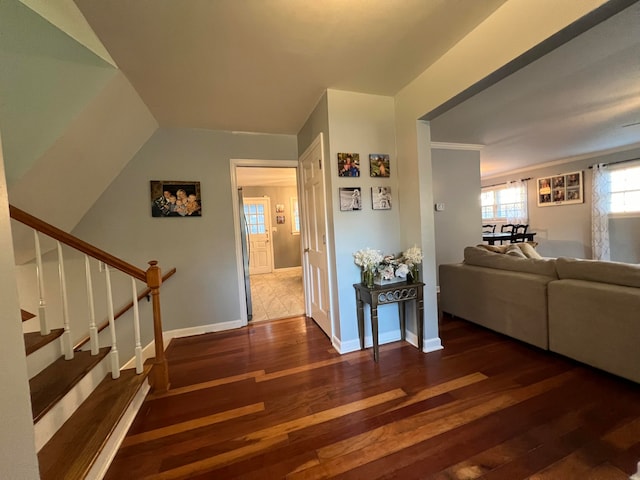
(115, 359)
(93, 330)
(136, 326)
(44, 328)
(67, 348)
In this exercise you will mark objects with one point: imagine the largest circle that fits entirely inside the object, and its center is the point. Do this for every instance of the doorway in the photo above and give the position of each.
(268, 231)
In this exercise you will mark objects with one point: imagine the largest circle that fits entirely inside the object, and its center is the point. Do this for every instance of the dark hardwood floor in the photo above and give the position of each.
(275, 400)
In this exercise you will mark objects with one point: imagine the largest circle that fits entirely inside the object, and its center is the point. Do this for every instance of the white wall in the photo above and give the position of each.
(456, 184)
(205, 289)
(17, 442)
(364, 124)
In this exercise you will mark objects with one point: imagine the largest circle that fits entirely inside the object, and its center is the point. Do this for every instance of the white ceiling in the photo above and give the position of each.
(579, 99)
(262, 65)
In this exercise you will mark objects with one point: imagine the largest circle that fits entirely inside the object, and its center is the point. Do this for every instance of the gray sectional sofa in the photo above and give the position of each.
(586, 310)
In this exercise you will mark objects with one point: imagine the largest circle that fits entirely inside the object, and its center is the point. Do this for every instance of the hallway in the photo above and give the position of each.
(277, 295)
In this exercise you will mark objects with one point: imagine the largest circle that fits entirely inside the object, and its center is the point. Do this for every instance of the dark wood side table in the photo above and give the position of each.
(398, 293)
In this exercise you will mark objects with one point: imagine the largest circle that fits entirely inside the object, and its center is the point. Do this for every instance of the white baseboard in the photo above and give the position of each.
(149, 350)
(353, 345)
(432, 345)
(106, 456)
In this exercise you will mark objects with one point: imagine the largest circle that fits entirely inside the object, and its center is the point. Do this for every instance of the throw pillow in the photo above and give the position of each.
(528, 250)
(494, 248)
(515, 251)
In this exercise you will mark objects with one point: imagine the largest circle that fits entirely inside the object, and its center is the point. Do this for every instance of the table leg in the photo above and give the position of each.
(401, 314)
(374, 331)
(420, 320)
(360, 311)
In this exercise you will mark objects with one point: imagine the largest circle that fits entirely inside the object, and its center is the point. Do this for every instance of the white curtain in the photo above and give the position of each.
(600, 209)
(518, 212)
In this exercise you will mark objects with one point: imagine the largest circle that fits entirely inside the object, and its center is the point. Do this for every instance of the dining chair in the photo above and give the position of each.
(488, 228)
(518, 233)
(507, 228)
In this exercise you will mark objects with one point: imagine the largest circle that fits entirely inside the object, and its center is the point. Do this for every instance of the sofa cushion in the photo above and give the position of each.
(514, 250)
(528, 250)
(493, 248)
(483, 258)
(616, 273)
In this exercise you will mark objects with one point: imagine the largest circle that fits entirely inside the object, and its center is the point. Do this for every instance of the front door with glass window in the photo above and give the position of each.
(256, 212)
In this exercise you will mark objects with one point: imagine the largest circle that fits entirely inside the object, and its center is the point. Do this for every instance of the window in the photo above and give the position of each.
(505, 203)
(295, 217)
(254, 213)
(625, 190)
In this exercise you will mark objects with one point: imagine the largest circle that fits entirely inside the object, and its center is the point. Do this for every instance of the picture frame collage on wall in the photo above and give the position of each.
(379, 167)
(562, 189)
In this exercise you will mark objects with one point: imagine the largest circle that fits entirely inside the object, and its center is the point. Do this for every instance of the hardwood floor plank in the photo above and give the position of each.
(209, 384)
(192, 424)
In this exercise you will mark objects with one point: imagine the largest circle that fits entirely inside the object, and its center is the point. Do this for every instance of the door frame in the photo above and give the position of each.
(235, 204)
(268, 226)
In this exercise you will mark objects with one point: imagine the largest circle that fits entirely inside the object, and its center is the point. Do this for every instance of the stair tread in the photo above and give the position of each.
(75, 446)
(26, 315)
(50, 385)
(34, 340)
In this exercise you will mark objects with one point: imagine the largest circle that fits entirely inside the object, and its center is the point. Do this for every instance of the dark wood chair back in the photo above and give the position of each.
(488, 228)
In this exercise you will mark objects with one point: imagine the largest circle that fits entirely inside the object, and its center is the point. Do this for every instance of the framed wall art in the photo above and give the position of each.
(175, 199)
(350, 199)
(381, 198)
(563, 189)
(379, 165)
(349, 164)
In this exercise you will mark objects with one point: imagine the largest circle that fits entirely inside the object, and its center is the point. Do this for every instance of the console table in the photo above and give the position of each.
(398, 293)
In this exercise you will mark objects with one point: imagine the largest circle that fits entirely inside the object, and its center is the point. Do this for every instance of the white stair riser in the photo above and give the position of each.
(43, 357)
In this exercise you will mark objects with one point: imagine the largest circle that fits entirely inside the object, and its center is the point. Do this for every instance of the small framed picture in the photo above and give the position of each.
(379, 165)
(349, 164)
(350, 199)
(279, 208)
(381, 198)
(175, 198)
(279, 219)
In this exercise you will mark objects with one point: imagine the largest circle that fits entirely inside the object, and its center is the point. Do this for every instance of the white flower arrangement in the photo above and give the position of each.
(388, 267)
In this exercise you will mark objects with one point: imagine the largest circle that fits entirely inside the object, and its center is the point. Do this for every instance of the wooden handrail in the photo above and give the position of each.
(68, 239)
(145, 293)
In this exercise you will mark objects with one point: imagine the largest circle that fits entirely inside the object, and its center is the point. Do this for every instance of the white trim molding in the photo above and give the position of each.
(456, 146)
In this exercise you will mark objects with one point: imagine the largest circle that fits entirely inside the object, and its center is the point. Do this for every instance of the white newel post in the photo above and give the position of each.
(67, 348)
(115, 360)
(136, 326)
(93, 330)
(44, 328)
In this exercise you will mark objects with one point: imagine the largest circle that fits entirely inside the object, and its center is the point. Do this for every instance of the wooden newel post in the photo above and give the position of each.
(160, 371)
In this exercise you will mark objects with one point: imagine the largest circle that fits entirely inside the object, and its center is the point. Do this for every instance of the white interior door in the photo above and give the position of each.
(315, 257)
(256, 213)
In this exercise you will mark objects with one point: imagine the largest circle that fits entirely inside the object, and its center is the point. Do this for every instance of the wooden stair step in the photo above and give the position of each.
(35, 340)
(26, 315)
(50, 385)
(75, 446)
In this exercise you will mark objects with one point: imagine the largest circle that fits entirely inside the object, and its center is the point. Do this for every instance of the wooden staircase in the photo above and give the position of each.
(83, 401)
(77, 449)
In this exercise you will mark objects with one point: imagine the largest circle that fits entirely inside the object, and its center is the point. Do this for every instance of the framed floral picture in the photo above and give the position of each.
(563, 189)
(349, 164)
(379, 165)
(381, 198)
(350, 199)
(175, 199)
